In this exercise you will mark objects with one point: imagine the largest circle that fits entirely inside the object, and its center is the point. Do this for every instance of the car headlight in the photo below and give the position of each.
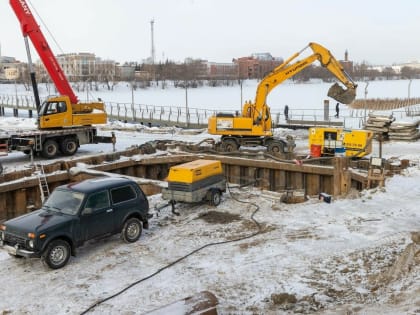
(31, 244)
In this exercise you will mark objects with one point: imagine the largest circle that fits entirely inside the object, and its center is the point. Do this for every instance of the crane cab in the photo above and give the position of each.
(58, 112)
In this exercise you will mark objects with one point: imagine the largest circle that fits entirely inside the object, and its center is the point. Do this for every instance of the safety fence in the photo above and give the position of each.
(195, 117)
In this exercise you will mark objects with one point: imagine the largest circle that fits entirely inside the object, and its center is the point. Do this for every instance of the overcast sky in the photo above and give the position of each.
(376, 31)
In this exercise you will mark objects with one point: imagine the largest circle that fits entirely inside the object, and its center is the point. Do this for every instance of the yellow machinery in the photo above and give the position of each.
(196, 181)
(65, 110)
(60, 112)
(254, 126)
(329, 141)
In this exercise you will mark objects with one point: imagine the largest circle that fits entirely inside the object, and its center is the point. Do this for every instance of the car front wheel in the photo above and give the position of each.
(57, 254)
(132, 230)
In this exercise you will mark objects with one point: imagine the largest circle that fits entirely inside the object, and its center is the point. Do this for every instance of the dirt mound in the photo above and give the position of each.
(403, 265)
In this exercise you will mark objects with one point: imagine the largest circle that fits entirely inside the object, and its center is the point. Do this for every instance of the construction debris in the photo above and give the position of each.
(404, 131)
(379, 123)
(389, 129)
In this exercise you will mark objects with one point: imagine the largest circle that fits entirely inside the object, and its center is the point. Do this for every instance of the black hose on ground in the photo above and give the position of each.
(259, 230)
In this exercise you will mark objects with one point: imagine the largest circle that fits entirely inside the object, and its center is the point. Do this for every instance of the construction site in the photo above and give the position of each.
(324, 235)
(151, 210)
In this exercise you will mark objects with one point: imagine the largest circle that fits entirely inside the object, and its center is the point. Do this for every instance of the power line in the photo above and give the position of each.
(46, 27)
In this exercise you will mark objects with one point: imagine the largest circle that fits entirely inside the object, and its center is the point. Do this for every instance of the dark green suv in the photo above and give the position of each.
(75, 213)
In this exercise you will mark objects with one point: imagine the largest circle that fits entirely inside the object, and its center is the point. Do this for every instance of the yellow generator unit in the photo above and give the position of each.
(196, 181)
(330, 141)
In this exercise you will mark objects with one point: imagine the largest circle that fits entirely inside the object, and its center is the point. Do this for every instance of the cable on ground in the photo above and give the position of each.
(259, 230)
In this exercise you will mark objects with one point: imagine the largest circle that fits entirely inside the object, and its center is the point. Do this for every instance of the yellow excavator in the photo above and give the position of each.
(254, 126)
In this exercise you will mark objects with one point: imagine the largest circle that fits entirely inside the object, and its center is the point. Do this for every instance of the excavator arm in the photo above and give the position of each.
(328, 61)
(288, 69)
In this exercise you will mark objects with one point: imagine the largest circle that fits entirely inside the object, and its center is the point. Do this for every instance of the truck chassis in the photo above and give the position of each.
(50, 143)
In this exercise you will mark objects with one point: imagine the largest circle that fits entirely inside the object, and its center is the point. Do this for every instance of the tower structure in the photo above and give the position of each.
(152, 56)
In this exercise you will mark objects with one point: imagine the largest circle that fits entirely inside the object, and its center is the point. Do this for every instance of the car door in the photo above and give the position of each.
(97, 216)
(124, 200)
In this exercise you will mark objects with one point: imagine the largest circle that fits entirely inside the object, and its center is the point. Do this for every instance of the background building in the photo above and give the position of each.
(12, 69)
(82, 67)
(346, 63)
(257, 65)
(225, 71)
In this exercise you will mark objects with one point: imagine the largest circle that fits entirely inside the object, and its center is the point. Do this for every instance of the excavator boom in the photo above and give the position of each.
(287, 70)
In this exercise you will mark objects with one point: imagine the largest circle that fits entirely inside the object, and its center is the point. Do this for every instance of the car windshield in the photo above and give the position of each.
(65, 201)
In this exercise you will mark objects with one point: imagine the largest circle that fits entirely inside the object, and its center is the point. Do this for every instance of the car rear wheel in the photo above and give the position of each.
(131, 231)
(57, 254)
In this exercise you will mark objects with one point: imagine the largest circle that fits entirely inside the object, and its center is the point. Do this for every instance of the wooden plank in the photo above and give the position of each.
(264, 178)
(140, 171)
(305, 168)
(326, 184)
(280, 180)
(235, 172)
(20, 202)
(312, 184)
(297, 180)
(250, 175)
(3, 207)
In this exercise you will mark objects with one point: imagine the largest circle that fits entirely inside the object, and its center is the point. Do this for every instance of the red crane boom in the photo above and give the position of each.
(31, 29)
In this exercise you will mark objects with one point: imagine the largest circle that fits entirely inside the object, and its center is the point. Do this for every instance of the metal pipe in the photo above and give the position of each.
(32, 74)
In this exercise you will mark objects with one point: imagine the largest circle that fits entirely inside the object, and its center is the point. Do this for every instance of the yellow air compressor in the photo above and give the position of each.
(196, 181)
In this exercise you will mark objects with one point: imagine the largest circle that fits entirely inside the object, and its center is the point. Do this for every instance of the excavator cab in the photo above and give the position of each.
(341, 95)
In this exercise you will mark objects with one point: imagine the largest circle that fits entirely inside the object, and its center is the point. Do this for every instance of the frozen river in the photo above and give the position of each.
(305, 100)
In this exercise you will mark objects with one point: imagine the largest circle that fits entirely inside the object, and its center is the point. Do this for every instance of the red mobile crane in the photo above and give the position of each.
(65, 110)
(63, 122)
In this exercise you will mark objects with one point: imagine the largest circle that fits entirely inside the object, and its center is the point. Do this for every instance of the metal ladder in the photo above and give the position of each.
(43, 184)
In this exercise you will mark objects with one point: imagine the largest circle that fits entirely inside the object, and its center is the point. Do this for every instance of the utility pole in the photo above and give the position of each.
(152, 54)
(366, 93)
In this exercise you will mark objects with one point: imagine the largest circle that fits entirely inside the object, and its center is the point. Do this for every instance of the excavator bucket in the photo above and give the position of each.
(341, 95)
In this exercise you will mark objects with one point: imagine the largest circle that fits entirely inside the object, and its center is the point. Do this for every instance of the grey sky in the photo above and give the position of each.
(376, 31)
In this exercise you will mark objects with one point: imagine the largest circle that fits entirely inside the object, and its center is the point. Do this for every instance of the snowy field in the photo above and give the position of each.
(353, 256)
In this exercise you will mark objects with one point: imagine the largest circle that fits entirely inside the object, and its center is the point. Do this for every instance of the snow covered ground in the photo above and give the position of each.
(353, 256)
(330, 257)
